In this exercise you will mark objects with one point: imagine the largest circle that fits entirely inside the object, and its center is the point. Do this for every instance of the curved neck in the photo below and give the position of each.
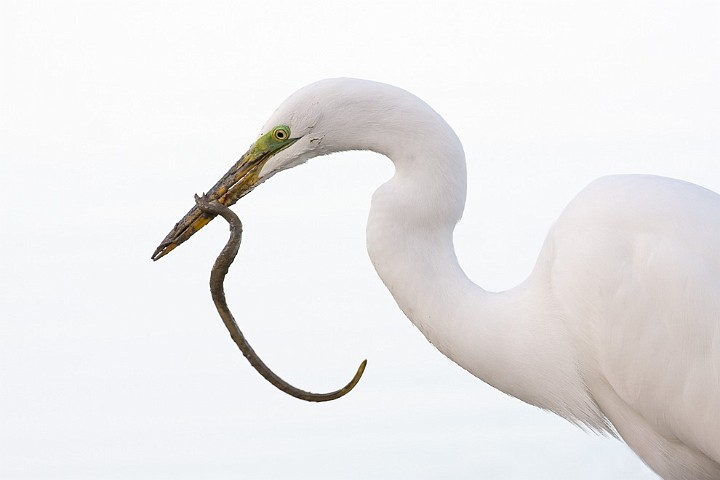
(495, 336)
(511, 340)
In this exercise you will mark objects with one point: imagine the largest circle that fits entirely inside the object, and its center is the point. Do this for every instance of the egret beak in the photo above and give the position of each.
(240, 180)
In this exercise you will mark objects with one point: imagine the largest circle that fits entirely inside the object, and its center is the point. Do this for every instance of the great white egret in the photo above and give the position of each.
(617, 328)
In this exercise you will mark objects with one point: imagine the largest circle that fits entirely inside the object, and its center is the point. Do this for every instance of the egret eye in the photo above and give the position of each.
(281, 133)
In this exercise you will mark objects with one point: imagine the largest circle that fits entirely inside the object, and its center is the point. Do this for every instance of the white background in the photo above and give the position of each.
(112, 114)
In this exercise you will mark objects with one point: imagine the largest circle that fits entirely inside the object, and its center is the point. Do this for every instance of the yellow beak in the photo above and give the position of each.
(235, 184)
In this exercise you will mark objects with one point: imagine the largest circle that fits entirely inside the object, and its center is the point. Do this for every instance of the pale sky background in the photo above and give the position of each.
(113, 114)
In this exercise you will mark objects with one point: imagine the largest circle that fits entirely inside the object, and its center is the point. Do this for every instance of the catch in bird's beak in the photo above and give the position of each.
(235, 184)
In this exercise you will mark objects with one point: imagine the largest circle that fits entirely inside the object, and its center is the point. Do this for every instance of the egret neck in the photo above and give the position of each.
(512, 340)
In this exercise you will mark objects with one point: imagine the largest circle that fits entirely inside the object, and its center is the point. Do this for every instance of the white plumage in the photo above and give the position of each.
(617, 328)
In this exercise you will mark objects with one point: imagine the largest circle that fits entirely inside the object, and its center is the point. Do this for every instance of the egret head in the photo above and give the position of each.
(324, 117)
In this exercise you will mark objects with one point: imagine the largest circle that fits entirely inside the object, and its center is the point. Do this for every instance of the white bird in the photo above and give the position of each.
(617, 328)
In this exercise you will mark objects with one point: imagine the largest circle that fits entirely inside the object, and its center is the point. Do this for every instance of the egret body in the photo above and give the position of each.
(617, 328)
